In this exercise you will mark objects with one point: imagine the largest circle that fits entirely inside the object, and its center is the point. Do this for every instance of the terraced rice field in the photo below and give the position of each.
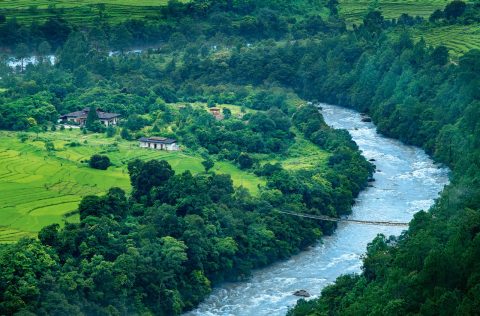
(81, 11)
(38, 188)
(354, 10)
(458, 38)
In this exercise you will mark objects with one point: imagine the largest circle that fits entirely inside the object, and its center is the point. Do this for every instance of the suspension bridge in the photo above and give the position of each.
(335, 219)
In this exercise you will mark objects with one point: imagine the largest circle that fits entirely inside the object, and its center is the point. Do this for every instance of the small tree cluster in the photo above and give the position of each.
(99, 162)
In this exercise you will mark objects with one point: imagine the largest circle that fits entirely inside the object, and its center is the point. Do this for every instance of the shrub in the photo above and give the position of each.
(245, 161)
(110, 131)
(99, 162)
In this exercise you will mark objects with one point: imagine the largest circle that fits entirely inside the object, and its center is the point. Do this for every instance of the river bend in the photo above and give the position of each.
(406, 181)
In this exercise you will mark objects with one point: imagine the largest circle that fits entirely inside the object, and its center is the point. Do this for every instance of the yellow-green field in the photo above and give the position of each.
(37, 189)
(354, 10)
(458, 38)
(81, 11)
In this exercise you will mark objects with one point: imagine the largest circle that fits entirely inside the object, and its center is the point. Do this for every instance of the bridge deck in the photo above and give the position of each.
(334, 219)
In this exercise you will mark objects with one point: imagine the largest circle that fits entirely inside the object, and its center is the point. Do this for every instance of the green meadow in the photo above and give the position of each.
(38, 188)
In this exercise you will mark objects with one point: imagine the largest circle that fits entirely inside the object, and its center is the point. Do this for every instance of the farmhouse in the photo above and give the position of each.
(80, 117)
(159, 143)
(216, 113)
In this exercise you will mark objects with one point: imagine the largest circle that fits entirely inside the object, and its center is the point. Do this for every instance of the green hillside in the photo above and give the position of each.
(459, 38)
(38, 188)
(353, 11)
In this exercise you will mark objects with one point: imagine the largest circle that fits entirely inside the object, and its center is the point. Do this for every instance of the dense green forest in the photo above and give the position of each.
(415, 94)
(160, 250)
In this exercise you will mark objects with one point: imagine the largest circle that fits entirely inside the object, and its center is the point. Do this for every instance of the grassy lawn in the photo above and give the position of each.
(81, 11)
(304, 155)
(37, 189)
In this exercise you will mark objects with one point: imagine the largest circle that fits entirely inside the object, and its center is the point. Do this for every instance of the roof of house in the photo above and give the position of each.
(106, 115)
(84, 113)
(157, 140)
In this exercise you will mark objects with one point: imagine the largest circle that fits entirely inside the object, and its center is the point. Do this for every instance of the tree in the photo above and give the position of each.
(208, 164)
(245, 161)
(27, 262)
(92, 118)
(455, 9)
(373, 22)
(436, 15)
(227, 113)
(110, 131)
(121, 38)
(440, 55)
(99, 162)
(56, 30)
(136, 122)
(332, 5)
(74, 52)
(81, 77)
(125, 134)
(21, 52)
(98, 40)
(145, 176)
(90, 206)
(43, 50)
(49, 235)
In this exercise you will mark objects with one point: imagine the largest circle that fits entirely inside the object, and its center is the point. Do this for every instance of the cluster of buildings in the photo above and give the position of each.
(112, 119)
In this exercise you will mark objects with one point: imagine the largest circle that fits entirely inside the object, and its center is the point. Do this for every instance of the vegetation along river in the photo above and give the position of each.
(406, 181)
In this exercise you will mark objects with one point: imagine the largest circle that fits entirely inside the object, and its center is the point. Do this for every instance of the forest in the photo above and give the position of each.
(160, 249)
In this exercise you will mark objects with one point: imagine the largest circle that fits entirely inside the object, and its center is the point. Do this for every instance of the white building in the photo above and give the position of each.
(159, 143)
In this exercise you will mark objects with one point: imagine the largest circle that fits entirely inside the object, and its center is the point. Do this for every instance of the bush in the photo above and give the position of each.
(110, 131)
(74, 144)
(125, 134)
(99, 162)
(245, 161)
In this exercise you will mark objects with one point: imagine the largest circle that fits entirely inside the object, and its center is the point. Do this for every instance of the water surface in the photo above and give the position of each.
(406, 181)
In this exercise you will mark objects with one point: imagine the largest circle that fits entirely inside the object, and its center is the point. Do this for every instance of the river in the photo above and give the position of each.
(406, 181)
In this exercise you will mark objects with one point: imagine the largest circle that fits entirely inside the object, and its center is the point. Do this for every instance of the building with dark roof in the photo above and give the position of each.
(159, 143)
(80, 117)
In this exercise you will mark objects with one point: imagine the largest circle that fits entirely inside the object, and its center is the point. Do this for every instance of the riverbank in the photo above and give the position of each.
(406, 181)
